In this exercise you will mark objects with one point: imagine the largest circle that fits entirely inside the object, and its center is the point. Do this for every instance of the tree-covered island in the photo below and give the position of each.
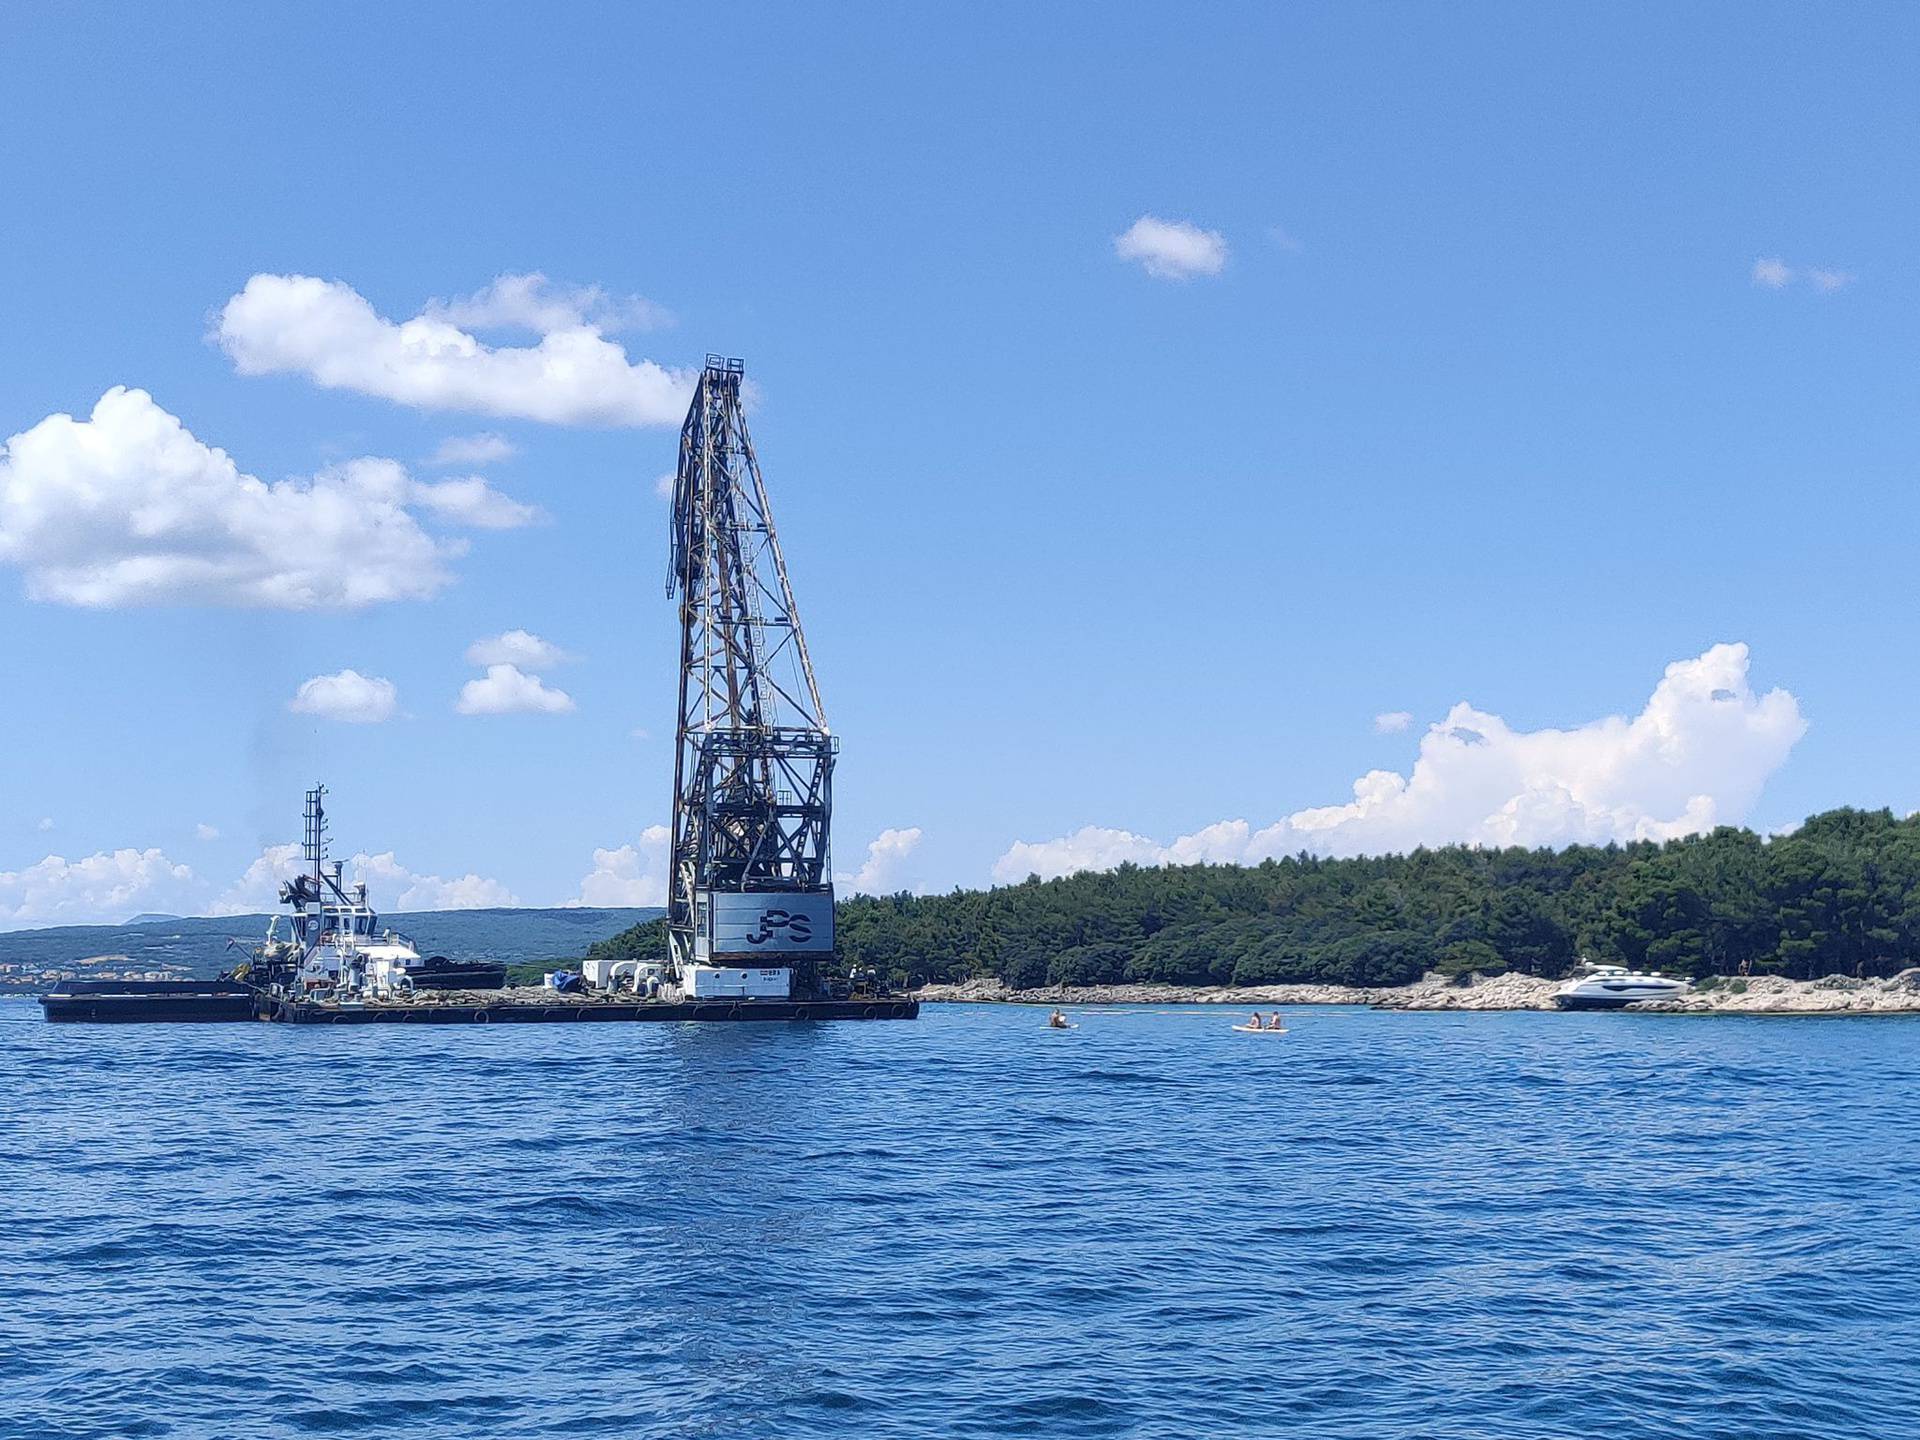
(1840, 895)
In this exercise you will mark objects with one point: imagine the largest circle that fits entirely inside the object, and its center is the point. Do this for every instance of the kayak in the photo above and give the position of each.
(1260, 1030)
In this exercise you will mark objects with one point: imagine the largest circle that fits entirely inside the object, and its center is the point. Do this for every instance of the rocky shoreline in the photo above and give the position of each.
(1759, 995)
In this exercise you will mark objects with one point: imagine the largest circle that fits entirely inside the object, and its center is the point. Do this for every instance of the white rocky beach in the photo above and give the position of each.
(1757, 995)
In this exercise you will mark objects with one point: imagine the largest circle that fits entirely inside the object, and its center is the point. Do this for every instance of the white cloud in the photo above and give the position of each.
(519, 648)
(1392, 722)
(105, 888)
(129, 508)
(471, 502)
(534, 303)
(1172, 249)
(1092, 847)
(327, 331)
(204, 831)
(508, 690)
(630, 875)
(1284, 238)
(46, 824)
(474, 503)
(1696, 756)
(1775, 274)
(883, 872)
(391, 886)
(489, 447)
(258, 888)
(346, 695)
(663, 487)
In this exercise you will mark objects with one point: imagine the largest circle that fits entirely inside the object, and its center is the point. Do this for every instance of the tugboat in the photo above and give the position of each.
(1613, 987)
(335, 949)
(336, 946)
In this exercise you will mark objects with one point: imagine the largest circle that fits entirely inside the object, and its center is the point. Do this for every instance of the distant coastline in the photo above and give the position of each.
(1757, 995)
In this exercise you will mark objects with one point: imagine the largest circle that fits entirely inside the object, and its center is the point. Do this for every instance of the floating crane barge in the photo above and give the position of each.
(750, 904)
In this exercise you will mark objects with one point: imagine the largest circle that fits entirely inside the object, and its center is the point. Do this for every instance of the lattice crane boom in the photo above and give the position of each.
(751, 883)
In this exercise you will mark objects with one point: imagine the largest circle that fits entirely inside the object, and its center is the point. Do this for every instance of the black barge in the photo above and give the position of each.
(200, 1001)
(136, 1001)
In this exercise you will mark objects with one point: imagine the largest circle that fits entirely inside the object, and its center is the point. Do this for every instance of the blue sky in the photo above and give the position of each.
(1476, 386)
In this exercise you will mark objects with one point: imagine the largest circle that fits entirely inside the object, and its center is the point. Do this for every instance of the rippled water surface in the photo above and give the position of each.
(1377, 1225)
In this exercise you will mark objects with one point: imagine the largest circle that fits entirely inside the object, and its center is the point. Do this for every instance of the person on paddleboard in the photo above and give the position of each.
(1057, 1021)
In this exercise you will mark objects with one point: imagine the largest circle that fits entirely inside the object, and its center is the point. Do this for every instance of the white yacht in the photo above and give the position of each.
(1610, 987)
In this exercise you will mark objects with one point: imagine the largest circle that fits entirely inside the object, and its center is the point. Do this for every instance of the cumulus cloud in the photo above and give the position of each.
(258, 888)
(884, 871)
(204, 831)
(1828, 281)
(102, 889)
(487, 448)
(1772, 272)
(474, 503)
(346, 695)
(471, 502)
(1696, 756)
(46, 824)
(629, 875)
(519, 648)
(391, 886)
(1172, 249)
(1392, 722)
(509, 690)
(411, 890)
(574, 375)
(128, 508)
(536, 304)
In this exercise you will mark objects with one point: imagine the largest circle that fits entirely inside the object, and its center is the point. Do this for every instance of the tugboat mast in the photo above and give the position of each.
(750, 909)
(314, 834)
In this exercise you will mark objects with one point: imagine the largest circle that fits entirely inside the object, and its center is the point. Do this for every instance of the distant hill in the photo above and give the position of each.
(148, 919)
(199, 946)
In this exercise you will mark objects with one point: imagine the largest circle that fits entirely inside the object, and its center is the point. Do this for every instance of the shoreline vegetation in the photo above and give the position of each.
(1825, 919)
(1757, 995)
(1839, 896)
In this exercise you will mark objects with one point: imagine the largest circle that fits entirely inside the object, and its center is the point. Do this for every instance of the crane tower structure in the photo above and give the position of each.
(750, 904)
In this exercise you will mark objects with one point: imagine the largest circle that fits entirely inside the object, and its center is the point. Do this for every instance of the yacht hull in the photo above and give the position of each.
(1616, 998)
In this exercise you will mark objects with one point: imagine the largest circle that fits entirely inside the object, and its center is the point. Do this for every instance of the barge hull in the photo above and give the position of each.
(591, 1011)
(124, 1002)
(133, 1002)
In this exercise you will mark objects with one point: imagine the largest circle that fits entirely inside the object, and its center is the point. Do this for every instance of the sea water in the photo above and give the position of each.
(1376, 1225)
